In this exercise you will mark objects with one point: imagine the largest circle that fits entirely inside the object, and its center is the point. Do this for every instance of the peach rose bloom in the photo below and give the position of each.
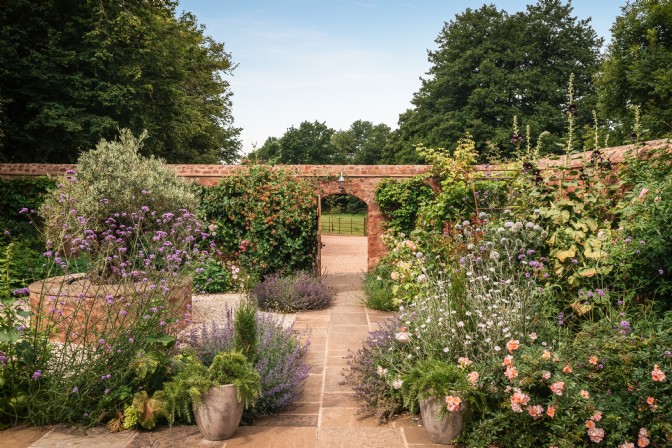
(550, 411)
(512, 345)
(657, 374)
(453, 403)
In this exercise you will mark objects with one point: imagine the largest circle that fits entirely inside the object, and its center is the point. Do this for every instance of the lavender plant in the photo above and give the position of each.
(368, 371)
(279, 357)
(300, 291)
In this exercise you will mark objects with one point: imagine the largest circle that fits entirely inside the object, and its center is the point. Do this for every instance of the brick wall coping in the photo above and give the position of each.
(217, 171)
(615, 155)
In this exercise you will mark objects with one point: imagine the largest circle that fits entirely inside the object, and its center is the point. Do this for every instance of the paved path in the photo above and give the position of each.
(326, 415)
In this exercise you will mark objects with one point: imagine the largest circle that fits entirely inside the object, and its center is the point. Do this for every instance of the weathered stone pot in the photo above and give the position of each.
(74, 307)
(218, 415)
(442, 430)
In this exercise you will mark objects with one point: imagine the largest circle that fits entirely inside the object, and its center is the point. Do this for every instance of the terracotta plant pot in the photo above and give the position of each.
(442, 430)
(218, 415)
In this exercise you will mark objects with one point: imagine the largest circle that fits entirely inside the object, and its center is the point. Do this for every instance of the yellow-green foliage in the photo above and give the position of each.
(114, 178)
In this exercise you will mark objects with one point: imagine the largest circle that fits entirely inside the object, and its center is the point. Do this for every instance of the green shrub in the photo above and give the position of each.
(646, 215)
(17, 195)
(400, 201)
(378, 289)
(213, 277)
(245, 329)
(265, 218)
(111, 182)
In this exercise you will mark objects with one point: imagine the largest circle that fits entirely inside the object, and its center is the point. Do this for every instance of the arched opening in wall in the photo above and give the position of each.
(343, 230)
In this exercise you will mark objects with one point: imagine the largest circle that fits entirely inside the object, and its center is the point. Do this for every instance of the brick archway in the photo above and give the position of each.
(360, 181)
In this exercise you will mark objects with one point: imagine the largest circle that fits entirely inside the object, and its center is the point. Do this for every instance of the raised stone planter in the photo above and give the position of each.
(74, 305)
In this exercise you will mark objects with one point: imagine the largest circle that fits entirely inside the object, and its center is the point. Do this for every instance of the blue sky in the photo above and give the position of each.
(337, 61)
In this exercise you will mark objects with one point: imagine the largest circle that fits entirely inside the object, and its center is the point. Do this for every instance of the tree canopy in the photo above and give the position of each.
(637, 70)
(362, 143)
(316, 143)
(308, 144)
(491, 66)
(72, 73)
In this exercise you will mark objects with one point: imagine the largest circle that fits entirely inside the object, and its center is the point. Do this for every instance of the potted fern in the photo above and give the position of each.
(444, 393)
(217, 394)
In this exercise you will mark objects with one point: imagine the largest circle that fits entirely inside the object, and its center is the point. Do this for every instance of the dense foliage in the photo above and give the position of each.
(553, 301)
(310, 143)
(400, 200)
(265, 218)
(21, 244)
(316, 143)
(491, 66)
(73, 73)
(636, 72)
(362, 143)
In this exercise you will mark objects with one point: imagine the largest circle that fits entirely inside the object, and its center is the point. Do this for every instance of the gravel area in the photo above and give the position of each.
(340, 255)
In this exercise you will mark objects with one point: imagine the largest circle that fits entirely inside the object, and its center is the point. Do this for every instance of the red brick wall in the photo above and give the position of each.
(361, 180)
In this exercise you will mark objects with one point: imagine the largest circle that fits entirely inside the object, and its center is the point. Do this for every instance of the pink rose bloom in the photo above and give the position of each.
(643, 193)
(558, 387)
(472, 378)
(596, 434)
(536, 411)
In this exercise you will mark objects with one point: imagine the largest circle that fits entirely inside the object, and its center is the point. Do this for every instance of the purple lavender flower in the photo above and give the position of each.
(625, 327)
(36, 374)
(75, 390)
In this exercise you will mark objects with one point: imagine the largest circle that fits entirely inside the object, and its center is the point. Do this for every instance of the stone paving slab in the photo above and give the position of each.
(100, 437)
(359, 438)
(175, 437)
(21, 437)
(266, 437)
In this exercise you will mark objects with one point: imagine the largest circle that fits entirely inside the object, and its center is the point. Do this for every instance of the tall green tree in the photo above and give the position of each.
(310, 143)
(491, 66)
(637, 70)
(73, 72)
(362, 143)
